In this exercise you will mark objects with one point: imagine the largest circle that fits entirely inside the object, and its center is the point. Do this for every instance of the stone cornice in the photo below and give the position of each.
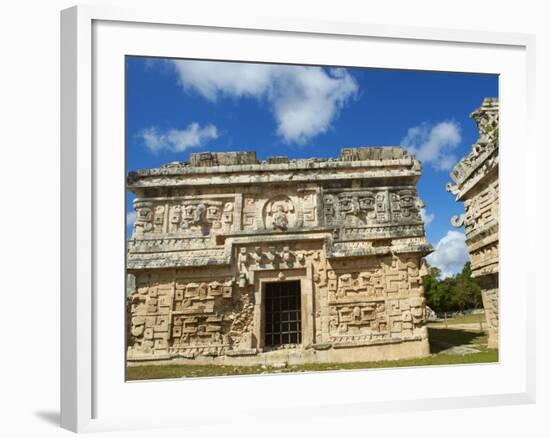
(483, 158)
(387, 162)
(486, 168)
(256, 177)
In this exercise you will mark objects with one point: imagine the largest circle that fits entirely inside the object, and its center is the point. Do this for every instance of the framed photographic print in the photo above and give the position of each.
(270, 207)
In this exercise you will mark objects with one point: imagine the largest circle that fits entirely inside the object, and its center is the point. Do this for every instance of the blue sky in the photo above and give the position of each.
(177, 107)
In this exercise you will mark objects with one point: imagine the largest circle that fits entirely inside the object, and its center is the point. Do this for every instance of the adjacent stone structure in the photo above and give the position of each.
(237, 261)
(476, 184)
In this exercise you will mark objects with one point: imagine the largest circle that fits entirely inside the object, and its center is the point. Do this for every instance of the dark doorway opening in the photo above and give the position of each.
(283, 313)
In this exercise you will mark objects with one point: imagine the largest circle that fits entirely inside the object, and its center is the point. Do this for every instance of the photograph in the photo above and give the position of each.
(287, 218)
(275, 218)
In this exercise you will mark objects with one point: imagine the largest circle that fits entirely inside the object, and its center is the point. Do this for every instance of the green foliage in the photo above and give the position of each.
(460, 292)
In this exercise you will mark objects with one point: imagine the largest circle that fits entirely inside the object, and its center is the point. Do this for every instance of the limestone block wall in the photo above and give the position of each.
(211, 234)
(476, 184)
(187, 313)
(375, 300)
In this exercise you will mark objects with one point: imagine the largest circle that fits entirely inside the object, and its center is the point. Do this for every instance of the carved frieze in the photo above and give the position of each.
(187, 317)
(280, 213)
(188, 217)
(477, 185)
(483, 158)
(379, 301)
(363, 320)
(207, 233)
(356, 209)
(144, 217)
(482, 209)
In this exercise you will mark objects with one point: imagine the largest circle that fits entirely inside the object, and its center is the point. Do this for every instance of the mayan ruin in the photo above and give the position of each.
(476, 185)
(233, 260)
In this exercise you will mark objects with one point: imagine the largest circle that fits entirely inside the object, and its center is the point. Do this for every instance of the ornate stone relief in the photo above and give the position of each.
(187, 318)
(199, 251)
(279, 214)
(484, 154)
(477, 185)
(366, 208)
(481, 210)
(144, 217)
(379, 302)
(192, 217)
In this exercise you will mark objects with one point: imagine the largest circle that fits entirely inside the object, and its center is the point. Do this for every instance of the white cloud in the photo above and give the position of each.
(427, 218)
(304, 100)
(130, 218)
(178, 140)
(450, 254)
(434, 144)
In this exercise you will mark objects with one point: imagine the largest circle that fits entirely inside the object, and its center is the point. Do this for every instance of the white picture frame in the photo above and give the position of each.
(91, 388)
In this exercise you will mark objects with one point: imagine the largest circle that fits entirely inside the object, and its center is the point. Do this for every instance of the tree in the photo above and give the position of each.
(459, 292)
(432, 290)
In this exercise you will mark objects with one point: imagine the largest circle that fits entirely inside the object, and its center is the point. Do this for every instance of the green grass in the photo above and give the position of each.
(464, 319)
(147, 372)
(440, 340)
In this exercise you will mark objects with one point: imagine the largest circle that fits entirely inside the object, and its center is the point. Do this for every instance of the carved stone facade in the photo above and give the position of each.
(476, 184)
(212, 236)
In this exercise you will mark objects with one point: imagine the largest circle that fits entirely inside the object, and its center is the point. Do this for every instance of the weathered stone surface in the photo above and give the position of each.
(211, 159)
(210, 235)
(476, 184)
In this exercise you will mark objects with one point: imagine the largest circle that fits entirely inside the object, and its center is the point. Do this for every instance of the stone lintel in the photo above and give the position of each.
(253, 236)
(477, 242)
(487, 231)
(466, 188)
(251, 175)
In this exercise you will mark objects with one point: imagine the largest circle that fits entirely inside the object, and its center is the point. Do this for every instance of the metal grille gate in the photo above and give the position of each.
(283, 314)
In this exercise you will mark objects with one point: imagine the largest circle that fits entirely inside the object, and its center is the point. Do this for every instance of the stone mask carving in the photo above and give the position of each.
(279, 213)
(198, 215)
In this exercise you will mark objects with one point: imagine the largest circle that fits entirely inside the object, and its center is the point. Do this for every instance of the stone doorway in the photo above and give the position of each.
(283, 314)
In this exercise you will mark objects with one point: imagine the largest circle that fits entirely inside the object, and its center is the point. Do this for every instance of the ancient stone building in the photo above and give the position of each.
(314, 260)
(476, 184)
